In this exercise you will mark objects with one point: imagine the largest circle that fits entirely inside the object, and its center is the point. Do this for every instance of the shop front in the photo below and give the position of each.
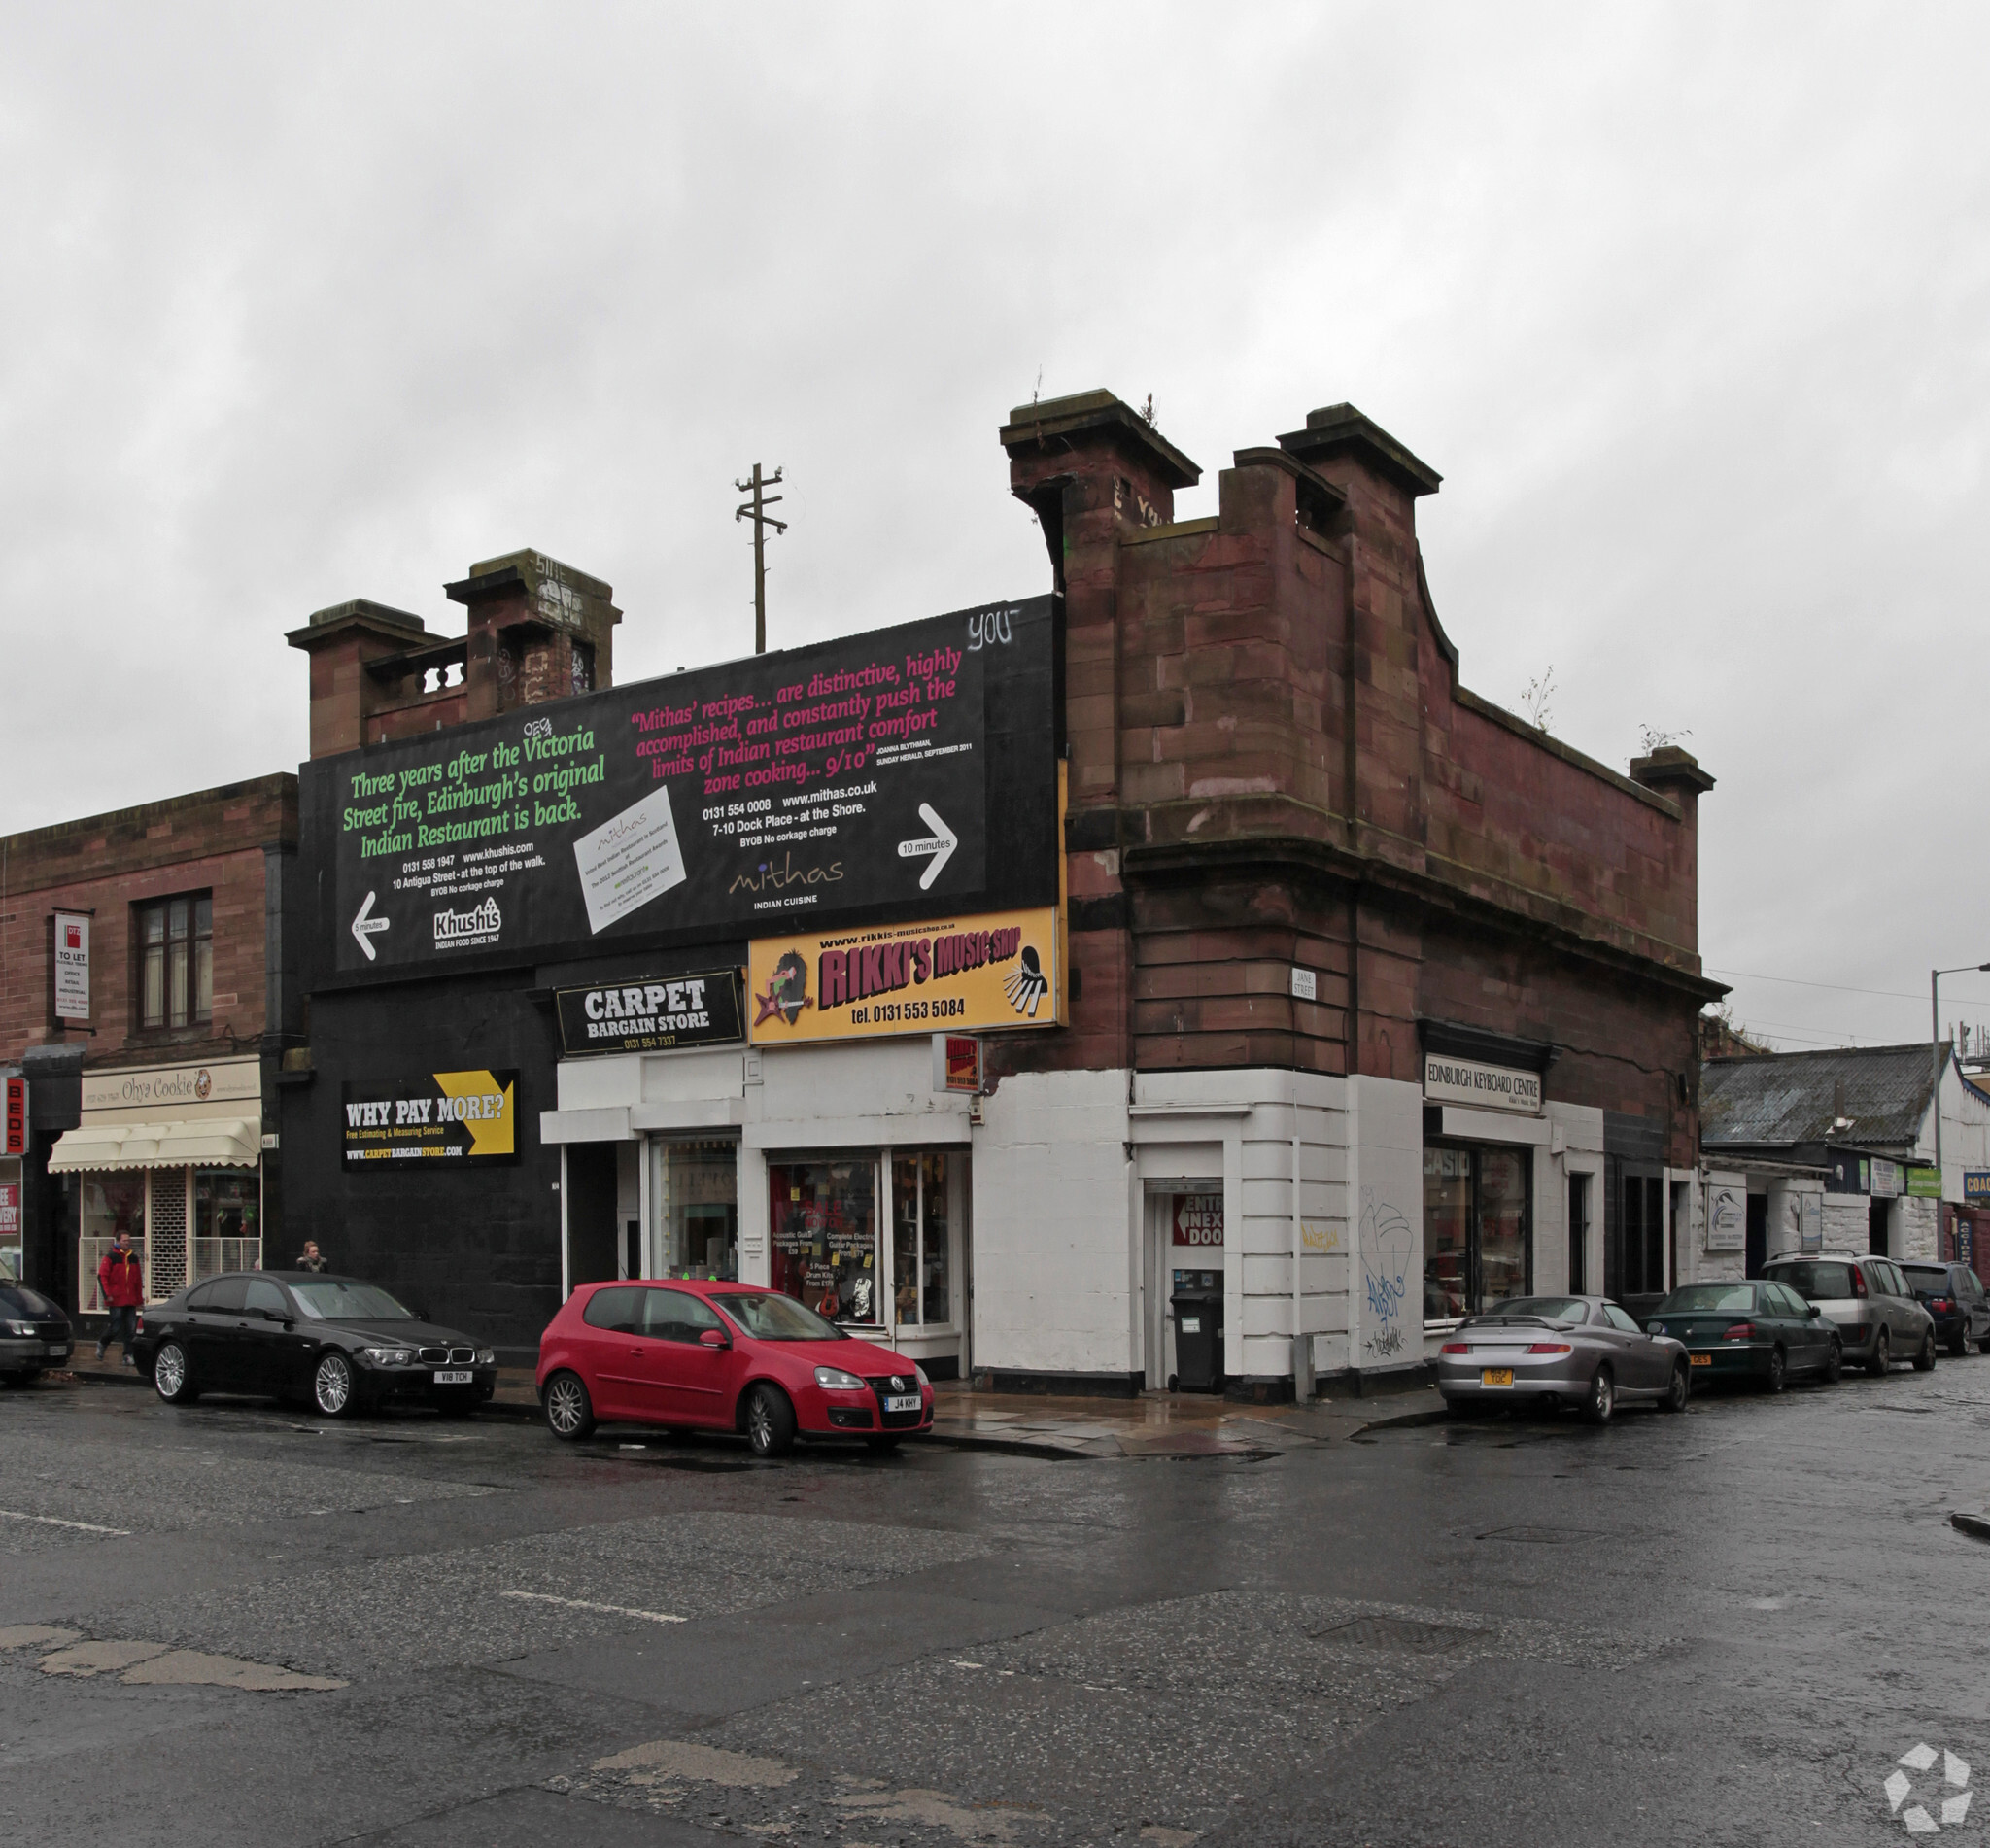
(13, 1147)
(171, 1155)
(1510, 1177)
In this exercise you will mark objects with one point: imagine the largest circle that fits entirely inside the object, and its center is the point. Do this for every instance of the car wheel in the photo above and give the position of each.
(569, 1412)
(1924, 1361)
(1778, 1370)
(1678, 1391)
(1958, 1346)
(331, 1384)
(1882, 1355)
(769, 1421)
(1602, 1402)
(170, 1375)
(1834, 1363)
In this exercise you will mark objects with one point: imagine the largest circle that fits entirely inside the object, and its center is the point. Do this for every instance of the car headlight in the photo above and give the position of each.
(487, 1356)
(20, 1327)
(925, 1383)
(835, 1380)
(390, 1356)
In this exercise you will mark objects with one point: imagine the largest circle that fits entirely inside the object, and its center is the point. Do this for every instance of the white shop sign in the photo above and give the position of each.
(163, 1093)
(1480, 1086)
(1727, 1213)
(1887, 1183)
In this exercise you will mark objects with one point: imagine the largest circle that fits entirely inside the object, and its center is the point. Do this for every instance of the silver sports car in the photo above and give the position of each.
(1561, 1350)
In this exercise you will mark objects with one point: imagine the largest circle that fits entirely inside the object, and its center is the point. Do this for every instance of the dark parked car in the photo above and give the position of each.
(333, 1342)
(724, 1358)
(34, 1333)
(1953, 1294)
(1762, 1331)
(1877, 1318)
(1549, 1351)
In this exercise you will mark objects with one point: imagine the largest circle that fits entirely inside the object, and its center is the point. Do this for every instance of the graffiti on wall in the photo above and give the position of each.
(1387, 1242)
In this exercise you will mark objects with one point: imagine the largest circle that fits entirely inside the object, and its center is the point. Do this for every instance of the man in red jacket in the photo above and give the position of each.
(121, 1279)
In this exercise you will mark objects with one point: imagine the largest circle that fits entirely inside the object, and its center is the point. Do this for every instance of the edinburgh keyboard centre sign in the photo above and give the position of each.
(906, 771)
(1480, 1086)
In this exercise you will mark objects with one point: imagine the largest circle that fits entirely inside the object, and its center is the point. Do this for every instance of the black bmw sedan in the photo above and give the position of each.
(332, 1342)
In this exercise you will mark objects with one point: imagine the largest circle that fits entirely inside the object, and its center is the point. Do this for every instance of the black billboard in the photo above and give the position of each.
(907, 769)
(660, 1014)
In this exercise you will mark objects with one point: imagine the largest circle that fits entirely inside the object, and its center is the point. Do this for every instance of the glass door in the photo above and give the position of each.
(1478, 1227)
(922, 1187)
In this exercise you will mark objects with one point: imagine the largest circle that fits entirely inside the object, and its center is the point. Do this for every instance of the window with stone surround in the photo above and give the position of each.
(175, 952)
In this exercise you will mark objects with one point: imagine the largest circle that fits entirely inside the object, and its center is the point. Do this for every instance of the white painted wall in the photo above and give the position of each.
(1056, 1227)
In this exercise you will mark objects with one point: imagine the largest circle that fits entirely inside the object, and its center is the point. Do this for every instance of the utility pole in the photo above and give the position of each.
(756, 511)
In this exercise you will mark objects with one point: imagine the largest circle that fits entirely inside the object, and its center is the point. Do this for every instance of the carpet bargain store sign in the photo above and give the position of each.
(464, 1116)
(971, 974)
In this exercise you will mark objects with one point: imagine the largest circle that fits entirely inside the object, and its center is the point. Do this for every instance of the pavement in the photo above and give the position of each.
(1153, 1425)
(1749, 1624)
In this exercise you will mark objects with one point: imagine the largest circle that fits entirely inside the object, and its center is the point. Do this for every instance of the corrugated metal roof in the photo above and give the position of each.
(1785, 1098)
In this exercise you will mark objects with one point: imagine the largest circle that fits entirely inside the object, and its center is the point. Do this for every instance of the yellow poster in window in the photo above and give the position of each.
(979, 973)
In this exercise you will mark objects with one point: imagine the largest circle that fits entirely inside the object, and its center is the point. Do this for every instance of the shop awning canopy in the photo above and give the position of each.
(220, 1142)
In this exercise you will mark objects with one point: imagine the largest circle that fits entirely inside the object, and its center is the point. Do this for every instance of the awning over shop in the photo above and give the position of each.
(221, 1142)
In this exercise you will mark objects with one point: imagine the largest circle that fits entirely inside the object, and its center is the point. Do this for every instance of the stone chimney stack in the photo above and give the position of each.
(538, 630)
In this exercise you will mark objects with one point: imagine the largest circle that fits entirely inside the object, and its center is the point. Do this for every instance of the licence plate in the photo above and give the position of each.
(455, 1379)
(58, 1351)
(1496, 1376)
(907, 1404)
(1702, 1360)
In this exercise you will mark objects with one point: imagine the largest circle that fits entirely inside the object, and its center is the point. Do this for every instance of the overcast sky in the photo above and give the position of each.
(1690, 307)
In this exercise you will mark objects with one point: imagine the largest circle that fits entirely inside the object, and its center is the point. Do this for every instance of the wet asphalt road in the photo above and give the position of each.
(1719, 1629)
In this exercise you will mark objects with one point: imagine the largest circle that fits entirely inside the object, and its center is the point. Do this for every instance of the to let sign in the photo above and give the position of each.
(1480, 1086)
(72, 966)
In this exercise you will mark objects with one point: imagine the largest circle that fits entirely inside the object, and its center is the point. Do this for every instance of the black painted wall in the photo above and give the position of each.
(478, 1248)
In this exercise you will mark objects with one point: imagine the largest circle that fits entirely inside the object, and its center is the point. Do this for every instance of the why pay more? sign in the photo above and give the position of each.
(469, 1118)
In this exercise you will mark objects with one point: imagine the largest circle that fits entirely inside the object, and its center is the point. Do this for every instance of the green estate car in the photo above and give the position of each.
(1762, 1331)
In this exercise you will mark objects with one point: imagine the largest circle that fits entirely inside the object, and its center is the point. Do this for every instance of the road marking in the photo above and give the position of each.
(81, 1526)
(581, 1604)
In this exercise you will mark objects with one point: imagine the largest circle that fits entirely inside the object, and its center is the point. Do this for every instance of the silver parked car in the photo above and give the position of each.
(1582, 1350)
(1879, 1318)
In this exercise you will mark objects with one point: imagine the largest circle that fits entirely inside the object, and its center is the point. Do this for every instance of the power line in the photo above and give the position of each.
(1837, 988)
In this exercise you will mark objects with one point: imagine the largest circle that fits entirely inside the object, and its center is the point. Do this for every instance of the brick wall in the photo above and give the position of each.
(213, 841)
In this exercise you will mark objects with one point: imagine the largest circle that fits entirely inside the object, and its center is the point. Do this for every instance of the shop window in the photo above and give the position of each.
(1478, 1228)
(111, 1204)
(175, 940)
(227, 1221)
(696, 1189)
(922, 1294)
(824, 1233)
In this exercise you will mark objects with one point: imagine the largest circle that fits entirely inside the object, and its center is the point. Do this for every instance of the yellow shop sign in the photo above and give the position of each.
(970, 975)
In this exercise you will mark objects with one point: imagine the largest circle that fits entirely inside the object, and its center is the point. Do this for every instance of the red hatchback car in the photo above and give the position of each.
(722, 1358)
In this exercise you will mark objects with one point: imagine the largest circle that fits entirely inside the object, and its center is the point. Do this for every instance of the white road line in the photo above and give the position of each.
(581, 1604)
(81, 1526)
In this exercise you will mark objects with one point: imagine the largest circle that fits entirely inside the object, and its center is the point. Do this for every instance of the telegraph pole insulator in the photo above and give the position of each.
(755, 510)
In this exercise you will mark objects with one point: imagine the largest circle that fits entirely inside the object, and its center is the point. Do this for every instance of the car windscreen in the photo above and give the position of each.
(1548, 1307)
(348, 1302)
(1819, 1283)
(1710, 1299)
(26, 1302)
(1932, 1278)
(769, 1315)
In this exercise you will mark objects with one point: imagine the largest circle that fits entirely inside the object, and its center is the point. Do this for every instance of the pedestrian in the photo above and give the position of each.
(120, 1277)
(313, 1259)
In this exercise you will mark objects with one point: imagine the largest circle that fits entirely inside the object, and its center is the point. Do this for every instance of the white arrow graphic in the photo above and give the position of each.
(365, 924)
(939, 843)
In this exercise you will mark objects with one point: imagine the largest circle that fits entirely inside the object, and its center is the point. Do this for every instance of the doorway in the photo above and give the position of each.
(1757, 1249)
(1183, 1255)
(1879, 1227)
(1578, 1234)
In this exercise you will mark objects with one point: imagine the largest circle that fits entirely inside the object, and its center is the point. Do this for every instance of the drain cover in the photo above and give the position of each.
(1402, 1634)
